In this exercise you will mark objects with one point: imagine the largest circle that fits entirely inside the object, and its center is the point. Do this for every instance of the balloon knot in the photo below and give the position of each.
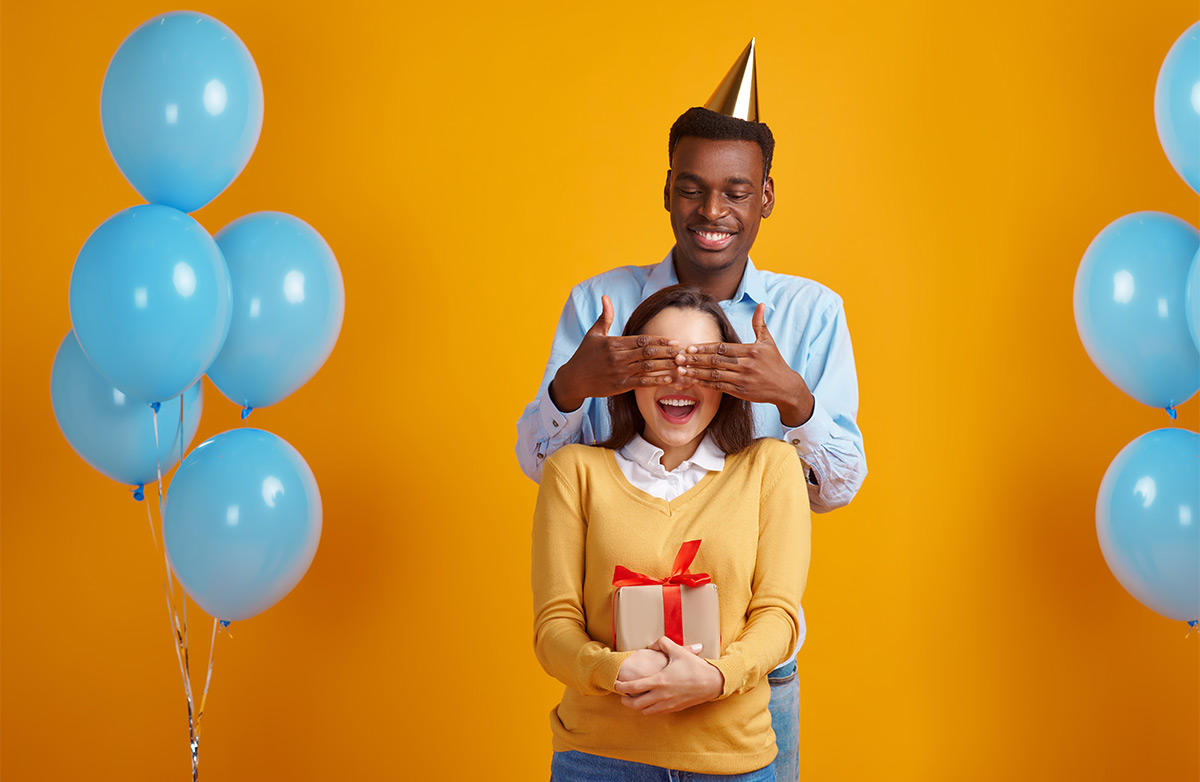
(226, 622)
(1192, 625)
(246, 412)
(156, 406)
(138, 493)
(1172, 412)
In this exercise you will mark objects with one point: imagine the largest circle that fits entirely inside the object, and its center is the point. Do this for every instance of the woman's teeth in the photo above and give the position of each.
(677, 409)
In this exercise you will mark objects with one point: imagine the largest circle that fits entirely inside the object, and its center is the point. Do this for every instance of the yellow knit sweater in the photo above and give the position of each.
(753, 520)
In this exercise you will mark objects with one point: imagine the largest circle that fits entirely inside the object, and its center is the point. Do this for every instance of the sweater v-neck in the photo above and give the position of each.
(667, 507)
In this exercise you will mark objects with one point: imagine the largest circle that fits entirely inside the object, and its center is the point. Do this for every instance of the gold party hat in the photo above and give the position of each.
(737, 94)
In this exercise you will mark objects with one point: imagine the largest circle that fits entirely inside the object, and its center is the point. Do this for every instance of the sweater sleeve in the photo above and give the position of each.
(781, 569)
(560, 638)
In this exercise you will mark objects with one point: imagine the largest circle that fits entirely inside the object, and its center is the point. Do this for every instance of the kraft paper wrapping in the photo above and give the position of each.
(638, 617)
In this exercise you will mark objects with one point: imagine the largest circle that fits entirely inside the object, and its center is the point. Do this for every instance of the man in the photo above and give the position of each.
(796, 364)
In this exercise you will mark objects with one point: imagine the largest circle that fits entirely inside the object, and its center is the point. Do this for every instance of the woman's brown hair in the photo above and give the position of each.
(732, 428)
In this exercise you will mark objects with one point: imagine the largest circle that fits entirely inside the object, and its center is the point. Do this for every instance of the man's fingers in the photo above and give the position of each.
(731, 349)
(651, 380)
(646, 345)
(604, 322)
(656, 366)
(759, 324)
(723, 386)
(707, 360)
(606, 315)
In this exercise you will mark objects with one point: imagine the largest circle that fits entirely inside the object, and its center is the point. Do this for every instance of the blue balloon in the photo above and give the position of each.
(115, 433)
(1148, 521)
(1177, 106)
(182, 109)
(1129, 307)
(288, 303)
(150, 301)
(241, 522)
(1191, 295)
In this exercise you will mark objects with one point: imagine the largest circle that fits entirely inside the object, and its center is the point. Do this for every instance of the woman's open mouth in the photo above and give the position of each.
(677, 409)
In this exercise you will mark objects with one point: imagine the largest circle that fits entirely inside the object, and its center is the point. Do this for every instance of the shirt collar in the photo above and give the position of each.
(707, 456)
(661, 276)
(752, 286)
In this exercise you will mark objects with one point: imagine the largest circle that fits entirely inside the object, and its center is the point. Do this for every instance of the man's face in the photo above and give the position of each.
(716, 196)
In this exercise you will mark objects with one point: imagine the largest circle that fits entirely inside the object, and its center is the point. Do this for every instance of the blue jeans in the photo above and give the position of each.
(582, 767)
(785, 720)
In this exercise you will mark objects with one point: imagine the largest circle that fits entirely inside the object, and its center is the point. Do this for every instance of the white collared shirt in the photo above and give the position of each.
(641, 463)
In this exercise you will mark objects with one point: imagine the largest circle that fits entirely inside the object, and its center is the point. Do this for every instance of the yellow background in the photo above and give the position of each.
(942, 165)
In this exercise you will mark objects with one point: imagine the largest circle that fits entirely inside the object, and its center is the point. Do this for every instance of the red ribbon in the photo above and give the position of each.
(672, 604)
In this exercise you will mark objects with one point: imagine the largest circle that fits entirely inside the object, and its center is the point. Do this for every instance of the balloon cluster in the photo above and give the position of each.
(157, 302)
(1137, 309)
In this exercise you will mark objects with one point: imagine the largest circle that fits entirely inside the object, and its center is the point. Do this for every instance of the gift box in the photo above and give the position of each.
(682, 606)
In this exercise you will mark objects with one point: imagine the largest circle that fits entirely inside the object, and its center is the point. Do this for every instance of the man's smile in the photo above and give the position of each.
(709, 239)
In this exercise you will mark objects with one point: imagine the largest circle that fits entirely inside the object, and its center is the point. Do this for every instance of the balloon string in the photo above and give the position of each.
(150, 518)
(181, 643)
(212, 649)
(180, 432)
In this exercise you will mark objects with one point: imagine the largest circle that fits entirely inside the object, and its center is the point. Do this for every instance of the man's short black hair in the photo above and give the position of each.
(704, 123)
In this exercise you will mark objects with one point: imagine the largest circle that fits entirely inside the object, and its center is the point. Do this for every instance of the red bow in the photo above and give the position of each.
(672, 605)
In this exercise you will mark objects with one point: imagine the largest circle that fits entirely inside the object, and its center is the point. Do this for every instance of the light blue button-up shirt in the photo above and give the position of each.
(808, 324)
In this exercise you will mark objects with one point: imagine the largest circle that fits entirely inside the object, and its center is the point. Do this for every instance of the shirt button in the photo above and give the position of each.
(541, 456)
(555, 423)
(795, 442)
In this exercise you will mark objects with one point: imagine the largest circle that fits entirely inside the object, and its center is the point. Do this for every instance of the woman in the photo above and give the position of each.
(680, 465)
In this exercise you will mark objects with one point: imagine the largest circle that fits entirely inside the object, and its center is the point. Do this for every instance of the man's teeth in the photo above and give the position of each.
(713, 236)
(677, 402)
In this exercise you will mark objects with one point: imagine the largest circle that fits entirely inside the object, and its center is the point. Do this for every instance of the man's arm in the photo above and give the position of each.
(830, 443)
(818, 421)
(585, 365)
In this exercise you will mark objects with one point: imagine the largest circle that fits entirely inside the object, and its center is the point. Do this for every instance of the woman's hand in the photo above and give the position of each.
(642, 663)
(685, 681)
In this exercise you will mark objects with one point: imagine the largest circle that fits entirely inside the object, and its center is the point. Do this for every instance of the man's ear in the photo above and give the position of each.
(667, 192)
(768, 197)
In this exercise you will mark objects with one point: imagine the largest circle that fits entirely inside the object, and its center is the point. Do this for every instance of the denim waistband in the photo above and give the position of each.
(785, 670)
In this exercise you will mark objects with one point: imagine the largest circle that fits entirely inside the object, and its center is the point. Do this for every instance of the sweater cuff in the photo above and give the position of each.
(605, 674)
(734, 671)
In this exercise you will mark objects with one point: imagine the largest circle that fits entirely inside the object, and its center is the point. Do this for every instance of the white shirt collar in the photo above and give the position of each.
(708, 456)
